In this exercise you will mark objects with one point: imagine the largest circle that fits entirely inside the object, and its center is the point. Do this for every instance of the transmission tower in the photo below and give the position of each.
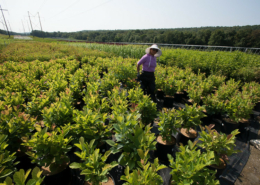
(4, 20)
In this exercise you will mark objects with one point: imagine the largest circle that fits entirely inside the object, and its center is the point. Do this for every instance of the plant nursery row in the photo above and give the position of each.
(89, 116)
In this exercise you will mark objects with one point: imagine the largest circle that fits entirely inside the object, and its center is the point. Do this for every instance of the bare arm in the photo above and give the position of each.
(138, 68)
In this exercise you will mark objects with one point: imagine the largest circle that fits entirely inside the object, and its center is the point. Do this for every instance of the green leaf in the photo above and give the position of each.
(36, 173)
(140, 153)
(75, 165)
(110, 142)
(8, 181)
(19, 177)
(31, 182)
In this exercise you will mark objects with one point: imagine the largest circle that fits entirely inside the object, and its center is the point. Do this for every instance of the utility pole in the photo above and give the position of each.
(23, 28)
(5, 21)
(28, 26)
(40, 24)
(10, 27)
(40, 20)
(30, 22)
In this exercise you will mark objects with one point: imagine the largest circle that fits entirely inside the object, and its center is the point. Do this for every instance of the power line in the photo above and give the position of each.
(88, 10)
(65, 9)
(42, 5)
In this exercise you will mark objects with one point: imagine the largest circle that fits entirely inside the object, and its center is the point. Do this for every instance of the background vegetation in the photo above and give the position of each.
(239, 36)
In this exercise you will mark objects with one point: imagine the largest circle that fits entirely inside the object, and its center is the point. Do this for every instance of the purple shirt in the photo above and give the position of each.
(149, 63)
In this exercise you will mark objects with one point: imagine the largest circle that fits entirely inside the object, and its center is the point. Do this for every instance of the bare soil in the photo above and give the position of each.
(164, 142)
(250, 175)
(191, 134)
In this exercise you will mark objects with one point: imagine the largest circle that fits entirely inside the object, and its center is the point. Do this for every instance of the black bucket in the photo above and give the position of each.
(62, 178)
(163, 150)
(180, 138)
(229, 126)
(160, 94)
(168, 102)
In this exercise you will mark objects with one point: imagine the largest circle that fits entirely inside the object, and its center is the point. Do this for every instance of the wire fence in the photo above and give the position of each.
(182, 46)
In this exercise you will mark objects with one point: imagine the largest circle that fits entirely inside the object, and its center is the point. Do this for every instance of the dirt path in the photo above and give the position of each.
(251, 172)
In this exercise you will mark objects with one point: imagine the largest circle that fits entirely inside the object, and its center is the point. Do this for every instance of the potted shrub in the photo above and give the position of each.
(180, 86)
(169, 90)
(20, 177)
(190, 117)
(7, 160)
(60, 112)
(118, 100)
(49, 149)
(16, 125)
(160, 81)
(90, 125)
(108, 82)
(146, 173)
(213, 105)
(195, 92)
(129, 138)
(144, 105)
(168, 124)
(190, 166)
(93, 165)
(238, 109)
(221, 144)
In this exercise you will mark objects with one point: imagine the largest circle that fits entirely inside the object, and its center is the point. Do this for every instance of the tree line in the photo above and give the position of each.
(237, 36)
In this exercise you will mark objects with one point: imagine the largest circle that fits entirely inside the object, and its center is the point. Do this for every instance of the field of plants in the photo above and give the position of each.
(74, 114)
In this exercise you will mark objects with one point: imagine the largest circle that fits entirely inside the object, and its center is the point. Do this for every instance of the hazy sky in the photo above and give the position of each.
(77, 15)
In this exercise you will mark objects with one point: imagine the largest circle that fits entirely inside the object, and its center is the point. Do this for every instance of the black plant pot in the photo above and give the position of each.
(62, 178)
(160, 94)
(168, 101)
(219, 171)
(102, 147)
(24, 163)
(206, 120)
(116, 173)
(180, 96)
(163, 150)
(229, 126)
(180, 138)
(243, 125)
(257, 107)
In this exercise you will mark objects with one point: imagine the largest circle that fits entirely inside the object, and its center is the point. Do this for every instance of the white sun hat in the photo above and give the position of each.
(154, 46)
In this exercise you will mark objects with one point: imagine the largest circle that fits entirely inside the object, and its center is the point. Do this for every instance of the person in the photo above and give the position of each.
(147, 77)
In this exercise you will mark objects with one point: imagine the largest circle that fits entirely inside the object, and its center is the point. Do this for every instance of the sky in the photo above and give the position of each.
(78, 15)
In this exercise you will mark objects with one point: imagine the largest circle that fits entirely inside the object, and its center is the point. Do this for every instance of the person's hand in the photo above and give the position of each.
(138, 75)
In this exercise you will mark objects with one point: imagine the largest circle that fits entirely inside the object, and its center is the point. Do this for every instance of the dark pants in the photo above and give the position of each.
(147, 80)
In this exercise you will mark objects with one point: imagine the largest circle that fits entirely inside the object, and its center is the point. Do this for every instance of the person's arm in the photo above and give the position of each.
(138, 68)
(139, 63)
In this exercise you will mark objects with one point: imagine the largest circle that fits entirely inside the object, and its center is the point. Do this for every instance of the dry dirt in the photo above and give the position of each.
(250, 175)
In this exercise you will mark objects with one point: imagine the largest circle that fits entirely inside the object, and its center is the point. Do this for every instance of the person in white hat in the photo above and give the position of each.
(147, 77)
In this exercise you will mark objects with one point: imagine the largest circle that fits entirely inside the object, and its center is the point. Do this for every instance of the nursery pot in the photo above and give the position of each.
(220, 168)
(229, 125)
(168, 101)
(110, 181)
(163, 148)
(206, 120)
(179, 96)
(183, 136)
(257, 107)
(61, 176)
(243, 124)
(160, 94)
(102, 147)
